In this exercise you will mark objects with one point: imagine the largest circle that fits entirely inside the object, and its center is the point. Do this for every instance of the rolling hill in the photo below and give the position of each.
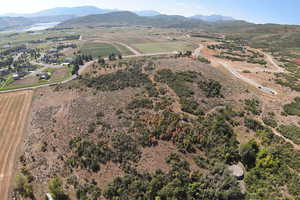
(10, 22)
(212, 18)
(77, 12)
(163, 21)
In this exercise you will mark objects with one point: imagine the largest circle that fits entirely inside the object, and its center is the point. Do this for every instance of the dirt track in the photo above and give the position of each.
(14, 108)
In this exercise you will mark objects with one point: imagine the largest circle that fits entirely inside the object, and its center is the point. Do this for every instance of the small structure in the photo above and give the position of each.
(45, 76)
(237, 171)
(18, 75)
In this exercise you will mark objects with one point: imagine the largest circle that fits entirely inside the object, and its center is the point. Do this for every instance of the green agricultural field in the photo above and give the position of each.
(155, 47)
(124, 50)
(99, 49)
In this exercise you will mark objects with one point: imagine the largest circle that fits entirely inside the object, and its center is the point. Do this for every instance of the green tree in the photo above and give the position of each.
(248, 153)
(23, 186)
(55, 187)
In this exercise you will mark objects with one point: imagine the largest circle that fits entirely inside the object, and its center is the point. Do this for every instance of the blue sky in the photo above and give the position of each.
(260, 11)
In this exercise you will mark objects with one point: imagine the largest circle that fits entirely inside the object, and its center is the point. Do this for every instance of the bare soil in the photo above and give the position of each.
(14, 111)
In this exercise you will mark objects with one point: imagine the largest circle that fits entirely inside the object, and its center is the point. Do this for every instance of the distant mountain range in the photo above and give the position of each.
(213, 18)
(77, 12)
(92, 10)
(63, 14)
(126, 18)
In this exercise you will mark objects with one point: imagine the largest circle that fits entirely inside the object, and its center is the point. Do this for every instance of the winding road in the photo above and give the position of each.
(81, 70)
(234, 72)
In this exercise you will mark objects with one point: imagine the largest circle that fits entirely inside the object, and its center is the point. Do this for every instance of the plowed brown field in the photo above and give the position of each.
(14, 108)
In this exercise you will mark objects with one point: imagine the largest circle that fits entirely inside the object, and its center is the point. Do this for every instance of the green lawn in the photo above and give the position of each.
(98, 49)
(155, 47)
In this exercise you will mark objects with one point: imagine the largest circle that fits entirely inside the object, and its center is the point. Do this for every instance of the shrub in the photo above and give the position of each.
(211, 88)
(269, 121)
(292, 132)
(252, 105)
(203, 60)
(293, 108)
(23, 185)
(141, 103)
(55, 187)
(132, 77)
(253, 124)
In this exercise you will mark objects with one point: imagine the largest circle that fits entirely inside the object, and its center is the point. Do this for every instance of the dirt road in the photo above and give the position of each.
(133, 50)
(14, 109)
(233, 71)
(247, 80)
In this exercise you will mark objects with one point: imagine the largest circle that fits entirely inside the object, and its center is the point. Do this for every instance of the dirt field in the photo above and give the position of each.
(14, 110)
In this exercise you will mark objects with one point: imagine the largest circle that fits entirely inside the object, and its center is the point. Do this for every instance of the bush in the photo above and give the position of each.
(203, 60)
(88, 191)
(292, 132)
(140, 103)
(253, 124)
(252, 105)
(293, 108)
(269, 121)
(211, 88)
(23, 185)
(119, 80)
(55, 187)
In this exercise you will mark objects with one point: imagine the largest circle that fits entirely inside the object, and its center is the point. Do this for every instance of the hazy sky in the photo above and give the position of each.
(261, 11)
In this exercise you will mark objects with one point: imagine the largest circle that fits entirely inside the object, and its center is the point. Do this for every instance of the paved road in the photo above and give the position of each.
(46, 66)
(81, 70)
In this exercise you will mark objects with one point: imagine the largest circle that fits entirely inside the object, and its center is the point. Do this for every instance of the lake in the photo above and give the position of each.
(34, 27)
(40, 26)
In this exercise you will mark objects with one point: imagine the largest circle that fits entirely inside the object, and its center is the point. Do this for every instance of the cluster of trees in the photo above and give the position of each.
(89, 155)
(257, 61)
(64, 46)
(269, 120)
(113, 57)
(63, 38)
(88, 191)
(16, 49)
(293, 108)
(291, 79)
(186, 54)
(177, 81)
(253, 106)
(290, 131)
(79, 60)
(271, 164)
(141, 103)
(6, 62)
(211, 88)
(132, 77)
(178, 184)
